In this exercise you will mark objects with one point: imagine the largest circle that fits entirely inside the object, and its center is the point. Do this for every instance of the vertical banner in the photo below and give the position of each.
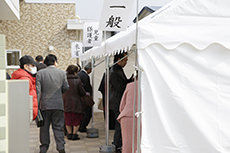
(116, 15)
(76, 49)
(91, 35)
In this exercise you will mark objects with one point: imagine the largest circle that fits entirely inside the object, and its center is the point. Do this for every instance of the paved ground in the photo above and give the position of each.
(84, 145)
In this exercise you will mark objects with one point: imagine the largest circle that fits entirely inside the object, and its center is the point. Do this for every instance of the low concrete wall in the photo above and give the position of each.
(18, 116)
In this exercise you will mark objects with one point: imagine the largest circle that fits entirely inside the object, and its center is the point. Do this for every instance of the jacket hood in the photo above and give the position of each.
(20, 73)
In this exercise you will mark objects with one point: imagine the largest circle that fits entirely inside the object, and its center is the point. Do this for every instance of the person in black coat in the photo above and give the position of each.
(117, 85)
(84, 76)
(40, 65)
(112, 118)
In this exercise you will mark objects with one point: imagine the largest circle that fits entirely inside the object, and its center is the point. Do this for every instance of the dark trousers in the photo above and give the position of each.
(112, 119)
(56, 119)
(117, 139)
(86, 118)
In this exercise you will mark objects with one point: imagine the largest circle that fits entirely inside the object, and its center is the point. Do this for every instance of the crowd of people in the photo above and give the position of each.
(59, 96)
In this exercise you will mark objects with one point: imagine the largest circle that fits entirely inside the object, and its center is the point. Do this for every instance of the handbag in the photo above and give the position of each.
(39, 119)
(88, 100)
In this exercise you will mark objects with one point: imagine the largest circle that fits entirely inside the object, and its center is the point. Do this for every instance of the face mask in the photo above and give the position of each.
(33, 70)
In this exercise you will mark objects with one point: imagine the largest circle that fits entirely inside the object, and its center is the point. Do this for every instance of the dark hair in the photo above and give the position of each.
(88, 66)
(26, 60)
(39, 58)
(119, 56)
(50, 59)
(71, 69)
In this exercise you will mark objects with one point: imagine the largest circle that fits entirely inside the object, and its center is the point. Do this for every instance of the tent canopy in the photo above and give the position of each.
(184, 51)
(182, 21)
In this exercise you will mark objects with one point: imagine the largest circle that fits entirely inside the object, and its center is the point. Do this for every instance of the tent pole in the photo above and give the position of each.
(134, 111)
(138, 92)
(107, 100)
(139, 111)
(107, 148)
(92, 76)
(92, 132)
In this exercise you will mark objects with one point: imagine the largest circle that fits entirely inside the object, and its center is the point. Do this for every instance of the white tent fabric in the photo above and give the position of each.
(185, 95)
(198, 23)
(184, 50)
(181, 21)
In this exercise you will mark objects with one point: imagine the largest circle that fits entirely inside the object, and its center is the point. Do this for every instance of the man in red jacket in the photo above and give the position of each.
(27, 71)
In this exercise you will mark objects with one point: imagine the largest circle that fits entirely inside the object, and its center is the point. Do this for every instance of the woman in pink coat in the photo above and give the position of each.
(126, 118)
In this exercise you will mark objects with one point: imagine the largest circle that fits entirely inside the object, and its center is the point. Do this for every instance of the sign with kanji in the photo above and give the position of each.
(116, 15)
(76, 49)
(91, 35)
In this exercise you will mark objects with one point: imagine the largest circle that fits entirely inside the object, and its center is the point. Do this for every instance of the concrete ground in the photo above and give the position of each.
(84, 145)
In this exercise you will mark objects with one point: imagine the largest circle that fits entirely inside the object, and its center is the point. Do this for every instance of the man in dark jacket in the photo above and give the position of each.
(40, 65)
(117, 85)
(84, 76)
(51, 83)
(112, 119)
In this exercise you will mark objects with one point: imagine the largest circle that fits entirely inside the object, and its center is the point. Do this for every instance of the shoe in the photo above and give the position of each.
(69, 136)
(75, 137)
(119, 150)
(61, 151)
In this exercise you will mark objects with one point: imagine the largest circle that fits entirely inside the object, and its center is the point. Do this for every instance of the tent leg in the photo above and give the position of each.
(139, 111)
(107, 148)
(92, 132)
(138, 92)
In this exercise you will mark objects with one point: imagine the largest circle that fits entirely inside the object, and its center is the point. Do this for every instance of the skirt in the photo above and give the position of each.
(73, 119)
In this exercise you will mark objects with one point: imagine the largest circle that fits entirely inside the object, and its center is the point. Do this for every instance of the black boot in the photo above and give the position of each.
(75, 137)
(69, 136)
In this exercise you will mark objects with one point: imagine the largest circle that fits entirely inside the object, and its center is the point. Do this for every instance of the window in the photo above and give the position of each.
(12, 58)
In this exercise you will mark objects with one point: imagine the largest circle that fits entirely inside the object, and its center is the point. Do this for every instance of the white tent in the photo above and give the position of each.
(184, 50)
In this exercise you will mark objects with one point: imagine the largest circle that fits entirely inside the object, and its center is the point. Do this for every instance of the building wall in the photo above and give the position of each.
(3, 136)
(41, 26)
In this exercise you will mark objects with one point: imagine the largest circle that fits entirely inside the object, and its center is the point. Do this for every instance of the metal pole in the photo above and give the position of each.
(134, 111)
(92, 132)
(139, 117)
(92, 78)
(107, 148)
(138, 92)
(107, 101)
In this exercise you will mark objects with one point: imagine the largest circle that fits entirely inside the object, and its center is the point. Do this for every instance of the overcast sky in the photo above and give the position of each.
(91, 9)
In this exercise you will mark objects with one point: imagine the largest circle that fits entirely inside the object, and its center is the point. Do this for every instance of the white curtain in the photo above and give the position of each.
(185, 99)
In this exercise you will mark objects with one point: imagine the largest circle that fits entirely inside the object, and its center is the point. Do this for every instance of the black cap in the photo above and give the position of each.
(26, 60)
